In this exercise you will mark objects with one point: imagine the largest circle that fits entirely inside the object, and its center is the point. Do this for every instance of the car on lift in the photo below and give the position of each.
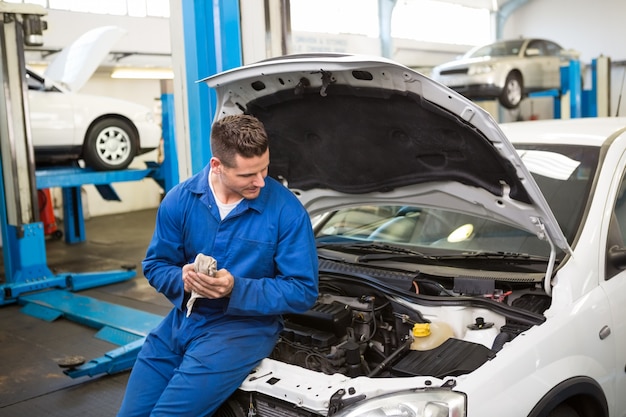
(67, 126)
(106, 133)
(466, 268)
(507, 70)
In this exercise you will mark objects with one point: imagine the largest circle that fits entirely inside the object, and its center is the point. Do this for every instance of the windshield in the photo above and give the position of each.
(427, 228)
(564, 174)
(507, 48)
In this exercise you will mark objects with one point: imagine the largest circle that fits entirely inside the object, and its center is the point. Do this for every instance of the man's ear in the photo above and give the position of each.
(216, 164)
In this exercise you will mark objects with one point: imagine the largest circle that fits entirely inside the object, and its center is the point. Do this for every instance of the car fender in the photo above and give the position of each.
(501, 71)
(89, 109)
(567, 391)
(566, 346)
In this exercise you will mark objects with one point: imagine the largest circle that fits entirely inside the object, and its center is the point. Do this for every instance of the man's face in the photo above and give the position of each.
(246, 178)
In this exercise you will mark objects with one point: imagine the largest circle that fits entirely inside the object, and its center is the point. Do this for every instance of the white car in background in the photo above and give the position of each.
(66, 125)
(465, 268)
(506, 70)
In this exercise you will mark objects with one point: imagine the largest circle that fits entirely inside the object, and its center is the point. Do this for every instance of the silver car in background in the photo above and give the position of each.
(507, 70)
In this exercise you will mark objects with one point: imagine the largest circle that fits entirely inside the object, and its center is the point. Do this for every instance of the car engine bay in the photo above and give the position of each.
(359, 327)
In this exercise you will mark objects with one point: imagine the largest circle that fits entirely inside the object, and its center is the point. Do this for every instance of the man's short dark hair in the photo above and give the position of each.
(240, 134)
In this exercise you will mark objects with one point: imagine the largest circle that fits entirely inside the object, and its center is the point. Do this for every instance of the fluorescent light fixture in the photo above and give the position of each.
(38, 68)
(143, 73)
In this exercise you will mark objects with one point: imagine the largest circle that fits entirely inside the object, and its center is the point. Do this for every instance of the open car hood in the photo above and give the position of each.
(76, 63)
(352, 130)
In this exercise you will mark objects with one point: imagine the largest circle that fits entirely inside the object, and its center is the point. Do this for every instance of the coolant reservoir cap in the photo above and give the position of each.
(421, 329)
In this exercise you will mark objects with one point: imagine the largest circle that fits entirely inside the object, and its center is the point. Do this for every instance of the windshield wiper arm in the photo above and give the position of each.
(494, 255)
(376, 251)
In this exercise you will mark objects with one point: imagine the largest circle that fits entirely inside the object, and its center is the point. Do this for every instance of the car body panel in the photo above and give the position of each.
(575, 347)
(74, 113)
(61, 117)
(539, 73)
(484, 77)
(581, 308)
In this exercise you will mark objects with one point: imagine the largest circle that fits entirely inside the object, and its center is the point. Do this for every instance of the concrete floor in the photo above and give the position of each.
(31, 382)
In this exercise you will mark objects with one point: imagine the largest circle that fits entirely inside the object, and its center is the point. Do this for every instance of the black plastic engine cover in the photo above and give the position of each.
(453, 358)
(333, 318)
(308, 337)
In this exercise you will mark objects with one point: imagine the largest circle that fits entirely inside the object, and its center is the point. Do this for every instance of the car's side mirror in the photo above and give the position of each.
(617, 257)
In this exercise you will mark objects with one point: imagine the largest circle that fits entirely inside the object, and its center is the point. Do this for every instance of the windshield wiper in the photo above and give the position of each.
(494, 255)
(379, 251)
(376, 251)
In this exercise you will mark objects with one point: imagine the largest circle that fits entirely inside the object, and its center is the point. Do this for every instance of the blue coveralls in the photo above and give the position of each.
(189, 366)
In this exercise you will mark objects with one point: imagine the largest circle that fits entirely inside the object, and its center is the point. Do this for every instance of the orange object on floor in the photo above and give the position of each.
(46, 213)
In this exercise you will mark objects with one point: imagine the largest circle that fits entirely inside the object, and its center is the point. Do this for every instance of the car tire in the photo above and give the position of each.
(513, 91)
(110, 144)
(563, 410)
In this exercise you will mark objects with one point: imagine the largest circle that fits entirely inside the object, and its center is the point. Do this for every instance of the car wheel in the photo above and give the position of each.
(513, 91)
(563, 410)
(111, 144)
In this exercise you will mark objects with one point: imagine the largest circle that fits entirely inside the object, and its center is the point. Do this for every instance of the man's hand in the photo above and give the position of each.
(218, 286)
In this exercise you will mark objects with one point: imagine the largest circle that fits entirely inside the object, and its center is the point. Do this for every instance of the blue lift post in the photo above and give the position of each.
(207, 26)
(24, 251)
(583, 103)
(212, 36)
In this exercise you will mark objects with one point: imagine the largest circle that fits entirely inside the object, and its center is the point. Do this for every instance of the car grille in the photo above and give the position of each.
(262, 406)
(456, 71)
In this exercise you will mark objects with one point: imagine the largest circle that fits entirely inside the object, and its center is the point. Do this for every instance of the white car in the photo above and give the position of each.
(466, 268)
(66, 125)
(506, 70)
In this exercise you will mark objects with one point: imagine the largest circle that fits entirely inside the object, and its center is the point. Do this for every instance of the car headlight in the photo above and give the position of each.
(420, 403)
(480, 69)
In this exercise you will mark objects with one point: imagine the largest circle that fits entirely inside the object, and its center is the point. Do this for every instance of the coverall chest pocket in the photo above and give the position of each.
(252, 258)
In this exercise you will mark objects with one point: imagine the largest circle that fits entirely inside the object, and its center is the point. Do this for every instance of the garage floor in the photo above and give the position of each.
(31, 382)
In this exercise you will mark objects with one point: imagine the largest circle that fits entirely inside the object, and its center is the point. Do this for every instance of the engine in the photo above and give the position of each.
(370, 334)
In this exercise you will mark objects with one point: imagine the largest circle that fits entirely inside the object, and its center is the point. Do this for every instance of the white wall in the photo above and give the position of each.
(592, 27)
(144, 34)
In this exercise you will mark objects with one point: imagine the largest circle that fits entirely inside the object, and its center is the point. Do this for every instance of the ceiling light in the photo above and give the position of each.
(143, 73)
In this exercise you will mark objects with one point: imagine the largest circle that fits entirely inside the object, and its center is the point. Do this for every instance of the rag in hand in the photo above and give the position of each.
(206, 265)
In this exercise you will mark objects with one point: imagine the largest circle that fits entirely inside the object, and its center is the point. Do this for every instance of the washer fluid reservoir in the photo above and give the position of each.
(428, 336)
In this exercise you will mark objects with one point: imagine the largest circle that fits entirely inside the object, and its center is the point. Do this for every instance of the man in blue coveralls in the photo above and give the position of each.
(262, 240)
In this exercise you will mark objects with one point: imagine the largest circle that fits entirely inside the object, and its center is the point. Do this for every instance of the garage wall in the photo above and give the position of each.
(592, 27)
(145, 34)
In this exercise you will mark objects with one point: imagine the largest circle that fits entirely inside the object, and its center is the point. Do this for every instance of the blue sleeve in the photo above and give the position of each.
(294, 289)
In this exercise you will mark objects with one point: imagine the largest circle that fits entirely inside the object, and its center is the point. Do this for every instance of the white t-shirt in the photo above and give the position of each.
(224, 209)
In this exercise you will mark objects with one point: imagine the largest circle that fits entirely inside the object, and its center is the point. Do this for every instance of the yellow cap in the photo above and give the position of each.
(421, 329)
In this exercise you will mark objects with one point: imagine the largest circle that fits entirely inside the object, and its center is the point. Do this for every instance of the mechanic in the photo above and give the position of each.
(262, 239)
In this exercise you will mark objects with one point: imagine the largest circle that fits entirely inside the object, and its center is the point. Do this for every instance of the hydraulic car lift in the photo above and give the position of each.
(28, 280)
(26, 273)
(582, 103)
(23, 239)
